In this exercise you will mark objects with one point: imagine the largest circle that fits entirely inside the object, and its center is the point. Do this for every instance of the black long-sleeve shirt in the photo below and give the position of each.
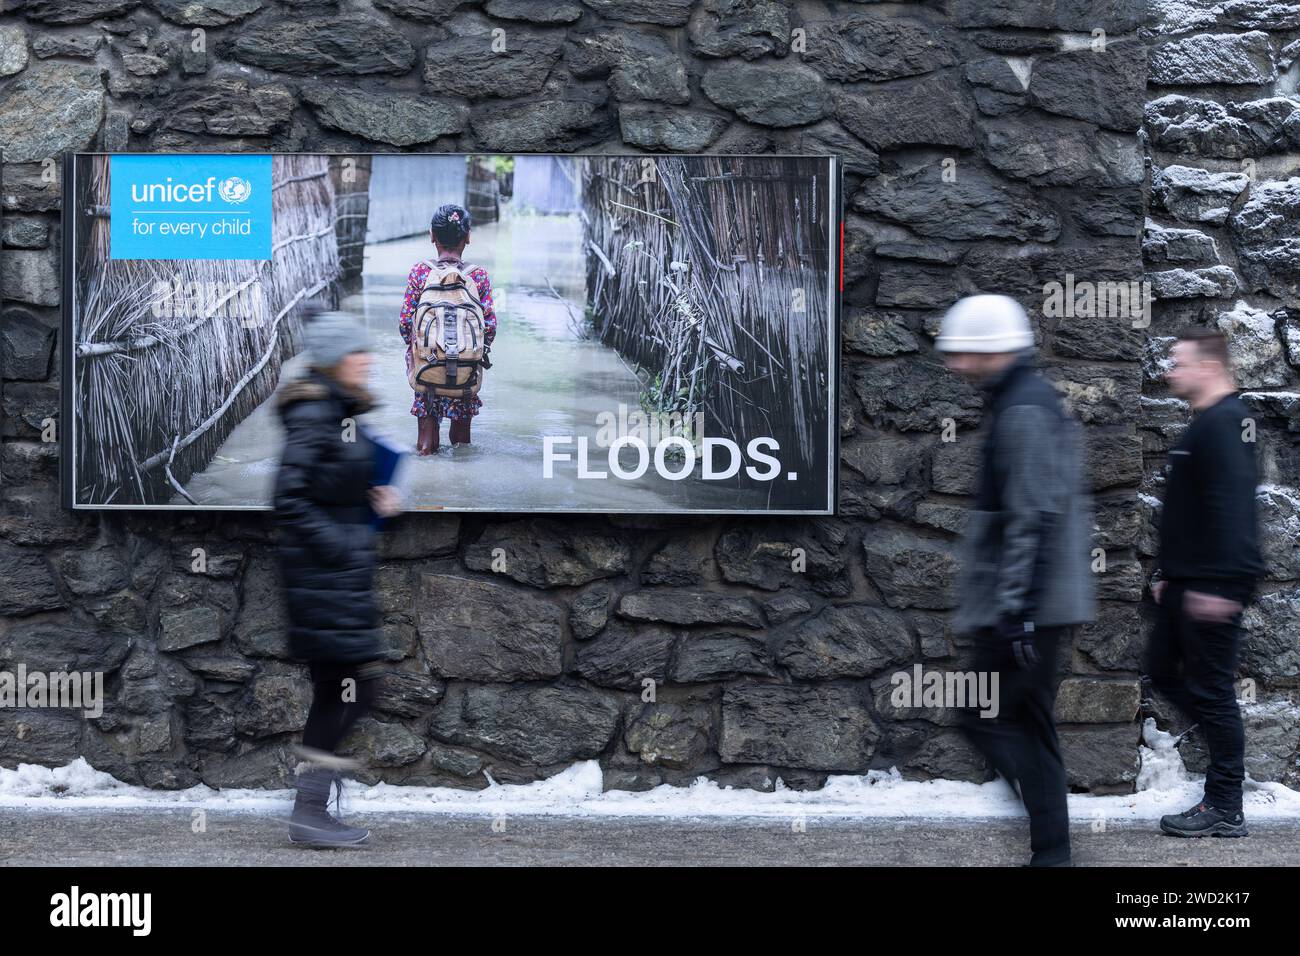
(1209, 537)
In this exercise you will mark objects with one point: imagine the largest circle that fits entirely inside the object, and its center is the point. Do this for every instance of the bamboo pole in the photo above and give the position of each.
(178, 445)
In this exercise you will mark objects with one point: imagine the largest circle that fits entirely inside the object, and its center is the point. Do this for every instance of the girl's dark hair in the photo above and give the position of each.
(450, 225)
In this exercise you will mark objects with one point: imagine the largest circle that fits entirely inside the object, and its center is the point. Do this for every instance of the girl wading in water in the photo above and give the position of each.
(425, 317)
(325, 501)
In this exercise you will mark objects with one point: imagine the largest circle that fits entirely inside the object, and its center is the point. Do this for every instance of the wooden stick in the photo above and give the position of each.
(155, 460)
(609, 266)
(642, 211)
(167, 470)
(90, 349)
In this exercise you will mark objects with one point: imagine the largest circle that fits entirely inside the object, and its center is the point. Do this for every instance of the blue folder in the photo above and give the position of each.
(388, 458)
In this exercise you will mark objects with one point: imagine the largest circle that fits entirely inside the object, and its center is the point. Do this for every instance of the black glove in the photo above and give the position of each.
(1020, 635)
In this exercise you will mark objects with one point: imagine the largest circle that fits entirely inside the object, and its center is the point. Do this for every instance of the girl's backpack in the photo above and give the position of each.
(447, 333)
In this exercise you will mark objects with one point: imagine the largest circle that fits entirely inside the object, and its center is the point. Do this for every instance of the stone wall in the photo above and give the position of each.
(990, 145)
(1222, 248)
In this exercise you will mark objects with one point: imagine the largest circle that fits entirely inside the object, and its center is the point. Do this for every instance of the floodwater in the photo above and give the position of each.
(545, 381)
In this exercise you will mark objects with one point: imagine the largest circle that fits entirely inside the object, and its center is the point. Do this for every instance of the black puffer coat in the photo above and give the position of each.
(327, 542)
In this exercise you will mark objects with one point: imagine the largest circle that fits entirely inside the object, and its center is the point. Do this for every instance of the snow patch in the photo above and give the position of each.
(1164, 786)
(1022, 67)
(1162, 764)
(1165, 402)
(1178, 16)
(1289, 495)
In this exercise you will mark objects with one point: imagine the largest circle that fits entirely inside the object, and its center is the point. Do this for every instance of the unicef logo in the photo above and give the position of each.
(234, 189)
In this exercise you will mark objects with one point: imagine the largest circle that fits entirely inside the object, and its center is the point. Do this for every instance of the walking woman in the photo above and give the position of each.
(324, 508)
(449, 233)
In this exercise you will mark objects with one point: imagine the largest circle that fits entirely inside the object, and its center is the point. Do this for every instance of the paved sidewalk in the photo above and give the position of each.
(164, 837)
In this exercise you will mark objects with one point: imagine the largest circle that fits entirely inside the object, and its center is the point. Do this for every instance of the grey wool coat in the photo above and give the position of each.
(1026, 550)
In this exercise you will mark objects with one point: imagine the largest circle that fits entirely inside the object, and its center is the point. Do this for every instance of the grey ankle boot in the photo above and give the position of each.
(311, 823)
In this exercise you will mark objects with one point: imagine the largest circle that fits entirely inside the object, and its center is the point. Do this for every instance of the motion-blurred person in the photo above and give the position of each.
(1209, 564)
(1024, 579)
(325, 504)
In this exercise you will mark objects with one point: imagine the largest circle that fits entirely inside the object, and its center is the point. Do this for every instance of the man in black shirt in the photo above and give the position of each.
(1208, 566)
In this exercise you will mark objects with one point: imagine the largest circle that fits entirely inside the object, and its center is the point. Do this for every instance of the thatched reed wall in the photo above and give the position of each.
(350, 176)
(710, 274)
(158, 393)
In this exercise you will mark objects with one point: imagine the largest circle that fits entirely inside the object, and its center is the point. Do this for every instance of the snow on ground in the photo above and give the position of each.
(1164, 786)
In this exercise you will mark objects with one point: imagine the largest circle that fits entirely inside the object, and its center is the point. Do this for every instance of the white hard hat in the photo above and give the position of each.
(985, 323)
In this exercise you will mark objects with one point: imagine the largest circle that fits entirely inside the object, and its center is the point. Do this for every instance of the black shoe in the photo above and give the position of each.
(1204, 820)
(1057, 856)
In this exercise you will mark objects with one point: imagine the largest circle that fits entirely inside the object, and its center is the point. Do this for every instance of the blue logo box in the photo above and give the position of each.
(214, 206)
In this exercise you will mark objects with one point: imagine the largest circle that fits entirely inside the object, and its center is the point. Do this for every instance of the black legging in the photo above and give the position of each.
(331, 716)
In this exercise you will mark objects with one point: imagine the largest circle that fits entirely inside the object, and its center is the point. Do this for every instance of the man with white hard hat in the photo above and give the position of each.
(1025, 578)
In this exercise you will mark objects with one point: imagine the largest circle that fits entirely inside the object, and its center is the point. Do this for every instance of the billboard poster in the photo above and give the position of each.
(662, 330)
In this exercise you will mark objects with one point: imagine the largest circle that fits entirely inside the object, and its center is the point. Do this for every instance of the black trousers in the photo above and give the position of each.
(341, 695)
(1194, 664)
(1021, 741)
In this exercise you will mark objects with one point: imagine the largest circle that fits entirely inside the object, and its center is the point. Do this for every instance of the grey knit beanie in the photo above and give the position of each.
(331, 336)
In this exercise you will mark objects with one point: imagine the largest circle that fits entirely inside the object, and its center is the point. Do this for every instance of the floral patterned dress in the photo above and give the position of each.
(453, 409)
